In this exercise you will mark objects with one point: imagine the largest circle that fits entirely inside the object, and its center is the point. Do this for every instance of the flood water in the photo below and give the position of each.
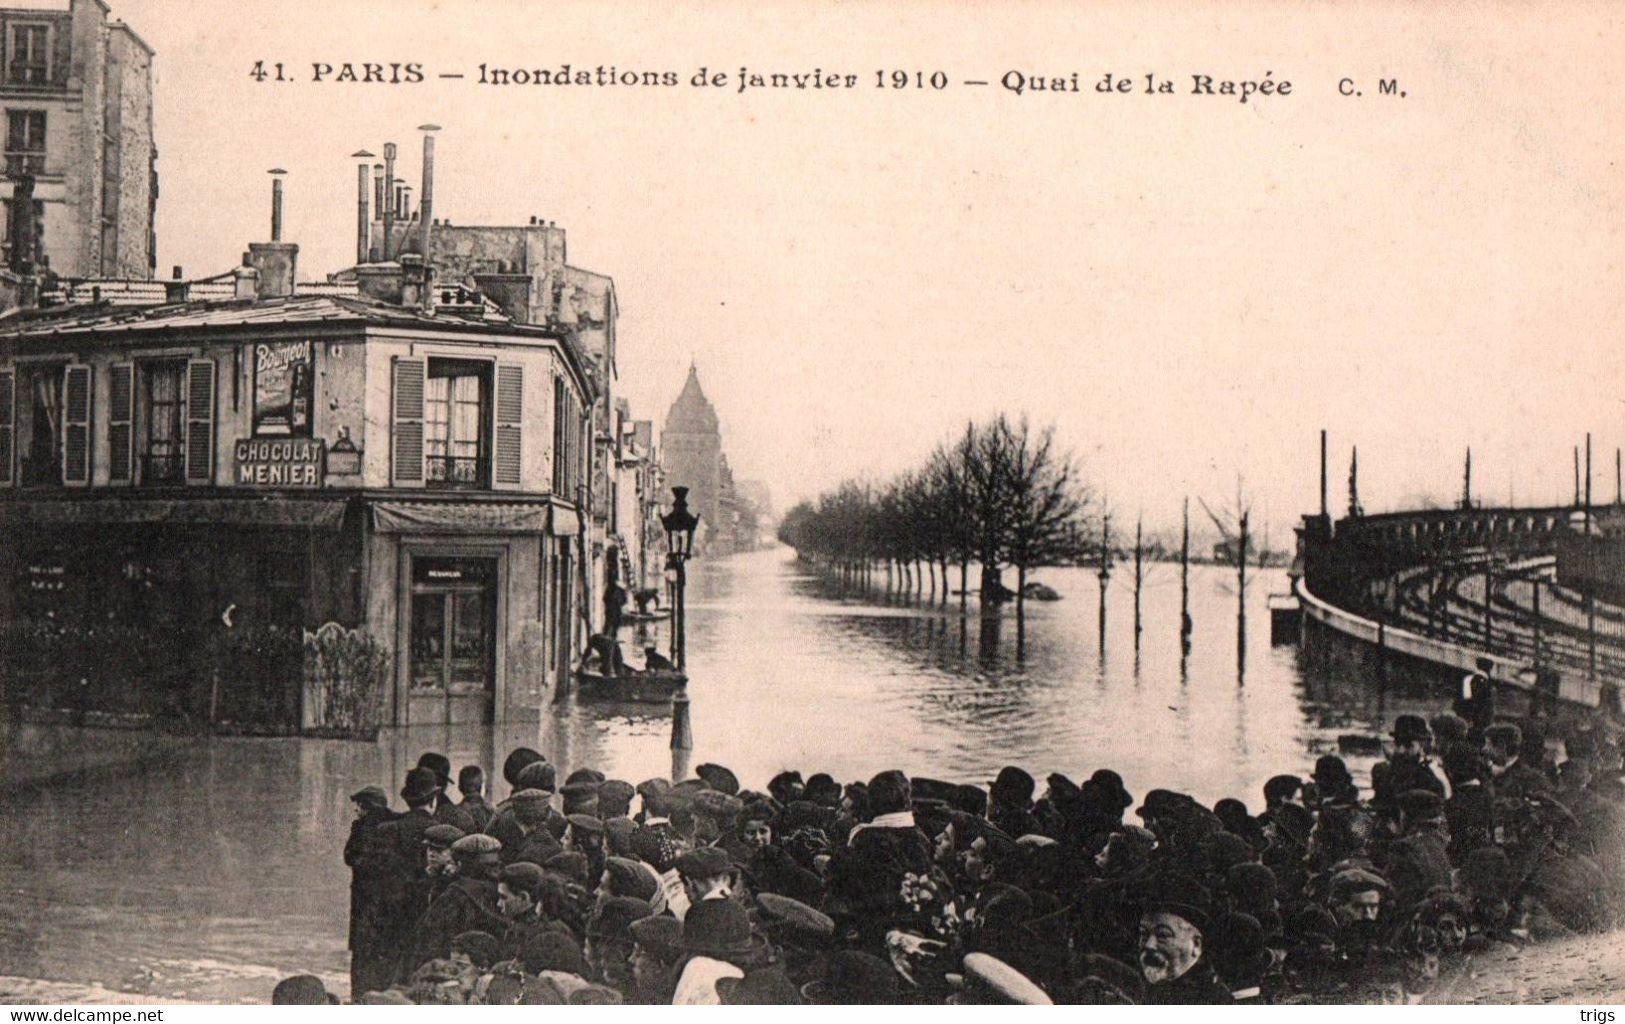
(208, 868)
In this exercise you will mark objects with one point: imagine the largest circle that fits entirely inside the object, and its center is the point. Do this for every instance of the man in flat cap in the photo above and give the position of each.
(657, 947)
(1356, 899)
(609, 942)
(586, 837)
(439, 866)
(1170, 947)
(707, 874)
(469, 902)
(533, 837)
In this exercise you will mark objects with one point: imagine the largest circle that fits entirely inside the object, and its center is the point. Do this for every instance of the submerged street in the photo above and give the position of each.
(205, 869)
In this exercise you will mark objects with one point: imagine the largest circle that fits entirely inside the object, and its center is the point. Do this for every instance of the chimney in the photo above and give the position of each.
(426, 199)
(417, 283)
(276, 203)
(177, 290)
(244, 280)
(389, 195)
(363, 219)
(378, 191)
(275, 262)
(404, 209)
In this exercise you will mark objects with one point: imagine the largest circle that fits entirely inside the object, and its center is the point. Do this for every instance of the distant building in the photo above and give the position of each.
(76, 89)
(692, 456)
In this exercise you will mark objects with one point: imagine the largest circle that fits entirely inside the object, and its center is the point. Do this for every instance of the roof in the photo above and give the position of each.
(110, 317)
(692, 413)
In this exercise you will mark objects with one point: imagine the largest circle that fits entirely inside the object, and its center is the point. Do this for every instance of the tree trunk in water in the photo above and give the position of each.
(992, 584)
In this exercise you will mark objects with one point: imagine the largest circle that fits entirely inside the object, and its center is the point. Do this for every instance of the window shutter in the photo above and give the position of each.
(406, 466)
(121, 422)
(507, 465)
(76, 421)
(199, 421)
(8, 425)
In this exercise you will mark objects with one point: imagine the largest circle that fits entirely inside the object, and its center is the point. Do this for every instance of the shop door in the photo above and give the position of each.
(453, 642)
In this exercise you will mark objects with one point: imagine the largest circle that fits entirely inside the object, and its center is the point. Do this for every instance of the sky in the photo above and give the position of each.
(1188, 287)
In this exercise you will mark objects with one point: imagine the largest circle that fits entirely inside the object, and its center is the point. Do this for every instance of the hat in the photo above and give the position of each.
(758, 988)
(785, 786)
(1163, 803)
(853, 979)
(629, 877)
(1448, 727)
(703, 862)
(1411, 729)
(1330, 771)
(538, 775)
(1179, 895)
(1356, 880)
(616, 794)
(970, 799)
(1108, 785)
(1421, 805)
(301, 990)
(518, 761)
(591, 775)
(440, 764)
(572, 864)
(1252, 886)
(586, 823)
(579, 791)
(1001, 982)
(718, 928)
(441, 837)
(794, 920)
(481, 947)
(1313, 922)
(1281, 787)
(1063, 790)
(1013, 786)
(648, 786)
(616, 916)
(922, 788)
(717, 805)
(370, 796)
(530, 806)
(718, 778)
(661, 935)
(823, 789)
(524, 876)
(1293, 820)
(553, 951)
(477, 845)
(1222, 850)
(421, 785)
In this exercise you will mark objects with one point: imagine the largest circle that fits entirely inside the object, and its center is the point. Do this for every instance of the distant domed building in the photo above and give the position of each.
(691, 454)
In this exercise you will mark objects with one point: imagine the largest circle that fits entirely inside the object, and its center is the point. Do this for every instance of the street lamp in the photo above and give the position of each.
(680, 524)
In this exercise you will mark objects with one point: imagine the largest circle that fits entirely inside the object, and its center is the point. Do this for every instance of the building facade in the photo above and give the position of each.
(337, 511)
(76, 89)
(692, 456)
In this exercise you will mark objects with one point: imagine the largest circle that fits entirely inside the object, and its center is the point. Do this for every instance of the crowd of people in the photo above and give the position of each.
(583, 889)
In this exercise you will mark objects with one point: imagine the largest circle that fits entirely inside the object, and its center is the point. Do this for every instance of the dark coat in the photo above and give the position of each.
(1471, 814)
(477, 808)
(1416, 863)
(448, 813)
(1196, 987)
(536, 848)
(1391, 780)
(866, 878)
(468, 904)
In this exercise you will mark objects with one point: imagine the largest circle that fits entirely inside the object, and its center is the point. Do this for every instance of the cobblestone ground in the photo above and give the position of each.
(1589, 969)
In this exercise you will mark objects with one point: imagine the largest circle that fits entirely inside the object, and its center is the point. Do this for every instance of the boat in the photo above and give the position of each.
(658, 615)
(637, 687)
(1036, 591)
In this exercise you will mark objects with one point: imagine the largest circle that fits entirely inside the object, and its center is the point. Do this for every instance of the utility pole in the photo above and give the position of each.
(1185, 563)
(1105, 572)
(1467, 482)
(1139, 575)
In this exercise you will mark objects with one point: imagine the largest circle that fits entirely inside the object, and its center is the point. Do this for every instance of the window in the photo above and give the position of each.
(39, 423)
(566, 440)
(25, 142)
(455, 402)
(29, 58)
(163, 459)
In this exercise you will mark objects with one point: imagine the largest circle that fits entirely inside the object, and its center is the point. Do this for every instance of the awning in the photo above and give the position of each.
(316, 513)
(457, 517)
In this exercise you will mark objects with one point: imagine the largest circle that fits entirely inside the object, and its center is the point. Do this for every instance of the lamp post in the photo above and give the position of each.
(680, 524)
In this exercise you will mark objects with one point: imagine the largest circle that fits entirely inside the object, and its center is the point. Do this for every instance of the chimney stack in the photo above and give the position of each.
(403, 208)
(426, 199)
(276, 203)
(363, 219)
(389, 195)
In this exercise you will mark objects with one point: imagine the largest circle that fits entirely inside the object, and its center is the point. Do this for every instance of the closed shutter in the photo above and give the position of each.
(406, 463)
(200, 421)
(120, 422)
(8, 426)
(76, 423)
(507, 466)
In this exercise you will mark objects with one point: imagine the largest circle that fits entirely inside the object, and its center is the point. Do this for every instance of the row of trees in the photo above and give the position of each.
(1001, 494)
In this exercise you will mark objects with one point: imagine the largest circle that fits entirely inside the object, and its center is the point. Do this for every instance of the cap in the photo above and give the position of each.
(586, 823)
(441, 837)
(374, 795)
(1001, 981)
(539, 775)
(704, 862)
(795, 919)
(477, 845)
(661, 935)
